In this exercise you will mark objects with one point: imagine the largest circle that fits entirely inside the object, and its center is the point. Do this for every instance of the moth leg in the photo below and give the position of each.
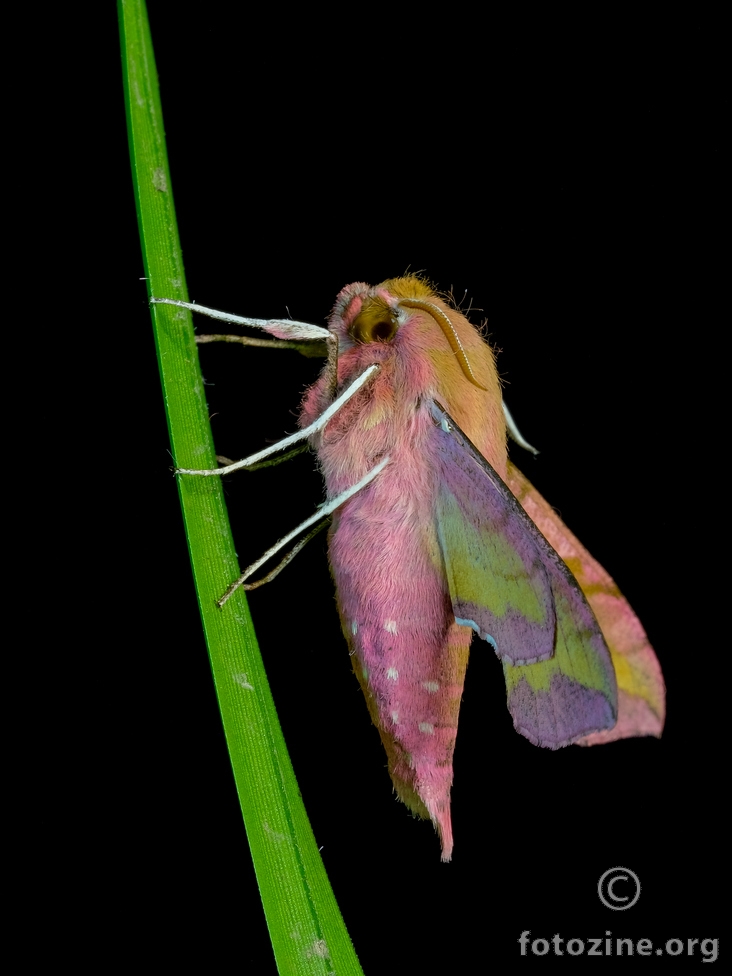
(514, 433)
(270, 462)
(288, 558)
(282, 328)
(301, 435)
(331, 366)
(310, 348)
(324, 510)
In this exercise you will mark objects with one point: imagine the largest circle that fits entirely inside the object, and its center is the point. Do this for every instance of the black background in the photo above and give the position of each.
(564, 176)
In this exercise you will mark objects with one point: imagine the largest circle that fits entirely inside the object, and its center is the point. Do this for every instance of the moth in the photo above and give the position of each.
(436, 536)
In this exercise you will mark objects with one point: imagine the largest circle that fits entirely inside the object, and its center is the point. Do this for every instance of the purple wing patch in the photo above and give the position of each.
(508, 583)
(563, 713)
(497, 580)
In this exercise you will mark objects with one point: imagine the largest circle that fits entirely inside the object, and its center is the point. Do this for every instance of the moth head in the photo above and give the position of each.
(384, 308)
(379, 317)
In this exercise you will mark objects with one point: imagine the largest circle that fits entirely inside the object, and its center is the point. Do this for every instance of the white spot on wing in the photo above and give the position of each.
(395, 718)
(390, 626)
(431, 686)
(354, 628)
(392, 674)
(426, 727)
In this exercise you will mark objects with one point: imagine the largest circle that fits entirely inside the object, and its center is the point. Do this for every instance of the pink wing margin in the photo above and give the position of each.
(641, 691)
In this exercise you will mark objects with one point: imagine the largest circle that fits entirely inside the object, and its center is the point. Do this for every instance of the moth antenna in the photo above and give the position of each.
(448, 329)
(514, 433)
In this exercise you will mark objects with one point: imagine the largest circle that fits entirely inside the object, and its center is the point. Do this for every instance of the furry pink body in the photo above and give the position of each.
(438, 537)
(410, 655)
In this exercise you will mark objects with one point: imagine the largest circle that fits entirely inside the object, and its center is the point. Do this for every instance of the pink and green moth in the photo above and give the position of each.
(437, 536)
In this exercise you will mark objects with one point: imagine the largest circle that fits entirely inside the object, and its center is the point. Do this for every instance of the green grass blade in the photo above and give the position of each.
(305, 924)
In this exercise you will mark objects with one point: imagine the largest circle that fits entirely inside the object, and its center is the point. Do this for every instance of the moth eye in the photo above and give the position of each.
(383, 331)
(374, 325)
